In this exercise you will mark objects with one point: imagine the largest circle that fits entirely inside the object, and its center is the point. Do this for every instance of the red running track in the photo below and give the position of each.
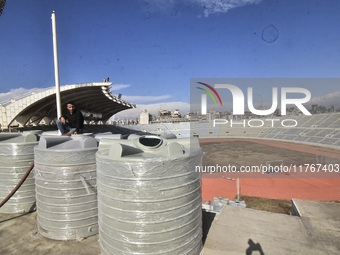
(276, 188)
(327, 189)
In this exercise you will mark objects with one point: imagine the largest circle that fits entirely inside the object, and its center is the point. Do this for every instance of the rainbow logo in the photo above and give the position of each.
(209, 93)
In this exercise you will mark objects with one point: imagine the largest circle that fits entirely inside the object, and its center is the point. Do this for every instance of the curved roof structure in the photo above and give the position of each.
(95, 100)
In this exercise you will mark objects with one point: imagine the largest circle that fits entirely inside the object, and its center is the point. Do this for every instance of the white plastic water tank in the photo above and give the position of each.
(149, 196)
(65, 179)
(16, 156)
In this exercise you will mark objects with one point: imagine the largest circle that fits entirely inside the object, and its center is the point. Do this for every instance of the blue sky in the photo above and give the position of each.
(150, 49)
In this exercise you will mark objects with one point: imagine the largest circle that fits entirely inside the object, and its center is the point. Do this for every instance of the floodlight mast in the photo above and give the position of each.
(56, 65)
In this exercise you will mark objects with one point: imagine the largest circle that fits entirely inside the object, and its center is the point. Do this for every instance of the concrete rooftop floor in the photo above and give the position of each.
(247, 231)
(234, 231)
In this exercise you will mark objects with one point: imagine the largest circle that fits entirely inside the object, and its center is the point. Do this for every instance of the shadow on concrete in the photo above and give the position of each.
(207, 218)
(13, 217)
(253, 247)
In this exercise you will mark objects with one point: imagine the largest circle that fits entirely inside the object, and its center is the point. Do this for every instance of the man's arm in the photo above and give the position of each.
(63, 118)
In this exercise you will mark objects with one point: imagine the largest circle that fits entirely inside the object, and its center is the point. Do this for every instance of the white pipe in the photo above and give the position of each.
(56, 65)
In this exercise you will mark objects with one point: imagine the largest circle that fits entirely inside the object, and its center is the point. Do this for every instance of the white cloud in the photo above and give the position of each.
(209, 6)
(154, 5)
(116, 87)
(327, 100)
(222, 6)
(15, 93)
(144, 99)
(153, 109)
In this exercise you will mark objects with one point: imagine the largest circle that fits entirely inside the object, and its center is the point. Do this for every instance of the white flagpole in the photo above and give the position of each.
(56, 65)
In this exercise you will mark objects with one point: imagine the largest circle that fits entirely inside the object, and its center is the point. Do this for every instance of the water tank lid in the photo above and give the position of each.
(107, 135)
(145, 148)
(66, 143)
(26, 137)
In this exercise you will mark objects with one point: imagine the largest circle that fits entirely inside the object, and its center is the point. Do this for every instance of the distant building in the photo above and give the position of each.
(176, 114)
(164, 115)
(145, 117)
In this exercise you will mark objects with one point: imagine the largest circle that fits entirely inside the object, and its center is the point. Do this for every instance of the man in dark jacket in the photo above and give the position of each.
(72, 121)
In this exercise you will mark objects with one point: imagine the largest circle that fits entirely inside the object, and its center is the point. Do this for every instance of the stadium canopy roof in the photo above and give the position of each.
(95, 100)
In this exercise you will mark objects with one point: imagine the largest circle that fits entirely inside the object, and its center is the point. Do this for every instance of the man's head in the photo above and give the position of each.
(70, 107)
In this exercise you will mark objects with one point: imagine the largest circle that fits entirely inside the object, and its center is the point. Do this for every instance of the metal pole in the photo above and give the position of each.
(56, 65)
(238, 188)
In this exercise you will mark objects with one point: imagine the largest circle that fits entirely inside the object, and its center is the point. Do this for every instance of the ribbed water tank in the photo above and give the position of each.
(16, 156)
(65, 179)
(149, 196)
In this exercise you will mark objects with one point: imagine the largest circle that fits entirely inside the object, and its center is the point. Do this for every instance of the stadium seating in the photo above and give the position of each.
(318, 129)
